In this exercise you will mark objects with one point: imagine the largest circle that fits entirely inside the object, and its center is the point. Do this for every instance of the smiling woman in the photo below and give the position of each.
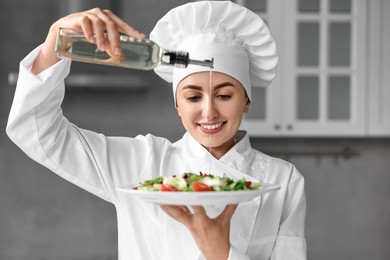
(211, 106)
(212, 114)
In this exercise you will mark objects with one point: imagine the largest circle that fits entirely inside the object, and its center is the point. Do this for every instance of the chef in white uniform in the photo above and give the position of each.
(268, 227)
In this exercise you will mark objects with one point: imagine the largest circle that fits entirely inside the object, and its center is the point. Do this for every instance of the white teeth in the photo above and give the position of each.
(211, 127)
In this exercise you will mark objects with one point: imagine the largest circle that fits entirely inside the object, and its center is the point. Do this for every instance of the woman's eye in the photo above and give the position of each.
(194, 98)
(224, 97)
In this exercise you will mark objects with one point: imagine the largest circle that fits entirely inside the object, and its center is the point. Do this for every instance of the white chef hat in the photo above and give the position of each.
(237, 39)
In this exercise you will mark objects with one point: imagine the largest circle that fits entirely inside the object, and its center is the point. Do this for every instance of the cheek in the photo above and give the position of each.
(235, 110)
(185, 112)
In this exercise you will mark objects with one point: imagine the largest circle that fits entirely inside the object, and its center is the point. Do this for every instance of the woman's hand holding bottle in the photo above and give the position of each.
(101, 27)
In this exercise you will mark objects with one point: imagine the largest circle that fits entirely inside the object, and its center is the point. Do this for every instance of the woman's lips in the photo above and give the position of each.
(212, 128)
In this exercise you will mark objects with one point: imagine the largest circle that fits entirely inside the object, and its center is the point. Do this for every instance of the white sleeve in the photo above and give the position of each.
(290, 242)
(291, 248)
(234, 254)
(36, 124)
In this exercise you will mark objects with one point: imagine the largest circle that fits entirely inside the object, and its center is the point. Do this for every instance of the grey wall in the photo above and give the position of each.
(45, 217)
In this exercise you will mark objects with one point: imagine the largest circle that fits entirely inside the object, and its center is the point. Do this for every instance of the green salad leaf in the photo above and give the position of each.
(192, 182)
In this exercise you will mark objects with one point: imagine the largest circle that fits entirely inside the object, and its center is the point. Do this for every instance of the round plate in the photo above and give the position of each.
(198, 198)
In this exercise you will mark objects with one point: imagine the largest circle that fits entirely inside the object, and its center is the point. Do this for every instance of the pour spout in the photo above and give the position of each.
(205, 63)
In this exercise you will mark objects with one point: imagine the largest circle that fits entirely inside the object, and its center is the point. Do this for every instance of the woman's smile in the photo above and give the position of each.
(212, 128)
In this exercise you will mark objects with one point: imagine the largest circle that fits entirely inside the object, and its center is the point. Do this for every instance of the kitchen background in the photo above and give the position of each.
(347, 174)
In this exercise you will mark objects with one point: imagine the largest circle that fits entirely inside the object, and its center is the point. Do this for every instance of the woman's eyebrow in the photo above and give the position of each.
(192, 87)
(220, 85)
(224, 84)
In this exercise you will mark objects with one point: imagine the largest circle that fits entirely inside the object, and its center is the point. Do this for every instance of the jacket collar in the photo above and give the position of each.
(233, 162)
(237, 157)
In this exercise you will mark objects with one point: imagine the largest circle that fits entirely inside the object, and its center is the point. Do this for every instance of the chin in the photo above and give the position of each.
(211, 143)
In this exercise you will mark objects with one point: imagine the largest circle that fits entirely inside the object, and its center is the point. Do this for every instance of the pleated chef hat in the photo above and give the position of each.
(237, 39)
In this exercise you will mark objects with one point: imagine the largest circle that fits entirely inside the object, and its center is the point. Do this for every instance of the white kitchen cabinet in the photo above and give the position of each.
(322, 84)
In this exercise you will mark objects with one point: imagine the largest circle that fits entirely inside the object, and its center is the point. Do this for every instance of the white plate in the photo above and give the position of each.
(198, 198)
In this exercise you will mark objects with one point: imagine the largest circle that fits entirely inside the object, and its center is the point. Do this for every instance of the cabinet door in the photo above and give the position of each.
(325, 83)
(379, 68)
(264, 116)
(320, 86)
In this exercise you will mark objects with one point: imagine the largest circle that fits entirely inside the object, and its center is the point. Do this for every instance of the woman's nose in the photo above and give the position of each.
(209, 110)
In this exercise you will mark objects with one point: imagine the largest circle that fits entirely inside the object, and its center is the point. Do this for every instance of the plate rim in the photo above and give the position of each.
(212, 197)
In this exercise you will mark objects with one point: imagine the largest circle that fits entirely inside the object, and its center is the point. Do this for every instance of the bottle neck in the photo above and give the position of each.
(182, 59)
(176, 58)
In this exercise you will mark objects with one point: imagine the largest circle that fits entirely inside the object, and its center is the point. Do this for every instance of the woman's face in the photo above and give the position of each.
(212, 113)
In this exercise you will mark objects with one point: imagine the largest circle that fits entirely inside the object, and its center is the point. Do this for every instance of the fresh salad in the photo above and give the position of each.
(190, 182)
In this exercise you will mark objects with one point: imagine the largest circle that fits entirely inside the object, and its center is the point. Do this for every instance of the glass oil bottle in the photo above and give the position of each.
(142, 54)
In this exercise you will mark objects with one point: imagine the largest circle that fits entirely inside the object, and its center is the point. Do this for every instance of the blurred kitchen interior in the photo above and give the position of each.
(346, 166)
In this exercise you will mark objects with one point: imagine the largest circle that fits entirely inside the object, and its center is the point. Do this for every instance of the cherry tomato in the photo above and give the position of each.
(200, 186)
(167, 188)
(248, 184)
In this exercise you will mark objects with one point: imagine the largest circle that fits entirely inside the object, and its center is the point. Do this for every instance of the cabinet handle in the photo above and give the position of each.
(277, 127)
(290, 127)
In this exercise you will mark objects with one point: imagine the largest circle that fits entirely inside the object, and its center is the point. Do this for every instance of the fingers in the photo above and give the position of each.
(101, 27)
(227, 214)
(199, 210)
(199, 217)
(105, 21)
(87, 28)
(123, 26)
(98, 27)
(104, 29)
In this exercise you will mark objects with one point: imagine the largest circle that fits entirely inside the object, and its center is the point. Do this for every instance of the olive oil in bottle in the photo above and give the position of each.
(142, 54)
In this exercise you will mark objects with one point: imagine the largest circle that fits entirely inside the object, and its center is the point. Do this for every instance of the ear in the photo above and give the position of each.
(246, 108)
(178, 110)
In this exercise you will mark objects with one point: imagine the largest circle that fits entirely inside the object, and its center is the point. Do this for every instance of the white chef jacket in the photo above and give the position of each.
(268, 227)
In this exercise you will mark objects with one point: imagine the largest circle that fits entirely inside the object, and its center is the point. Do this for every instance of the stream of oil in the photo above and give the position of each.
(211, 110)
